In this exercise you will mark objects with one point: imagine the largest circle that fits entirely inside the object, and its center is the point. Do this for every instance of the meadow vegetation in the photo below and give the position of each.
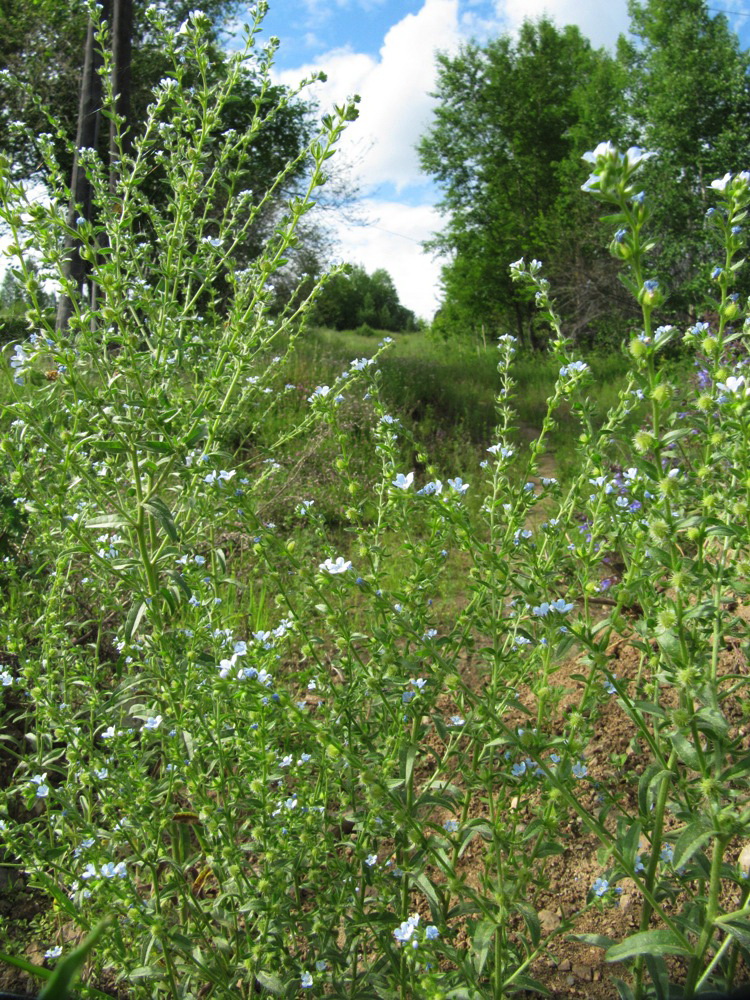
(316, 678)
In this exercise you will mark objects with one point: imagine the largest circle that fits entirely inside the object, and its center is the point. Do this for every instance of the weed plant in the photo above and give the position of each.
(266, 761)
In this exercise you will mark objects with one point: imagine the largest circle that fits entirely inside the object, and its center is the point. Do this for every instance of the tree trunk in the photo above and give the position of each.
(87, 133)
(122, 46)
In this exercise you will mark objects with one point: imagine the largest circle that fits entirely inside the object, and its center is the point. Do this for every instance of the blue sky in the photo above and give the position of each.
(385, 51)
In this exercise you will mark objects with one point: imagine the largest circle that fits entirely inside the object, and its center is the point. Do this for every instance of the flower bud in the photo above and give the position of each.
(638, 348)
(643, 441)
(651, 294)
(660, 393)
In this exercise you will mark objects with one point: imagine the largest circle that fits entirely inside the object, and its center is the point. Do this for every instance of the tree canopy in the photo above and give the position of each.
(354, 298)
(514, 117)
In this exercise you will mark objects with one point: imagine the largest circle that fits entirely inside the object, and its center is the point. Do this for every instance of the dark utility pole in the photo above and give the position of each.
(87, 136)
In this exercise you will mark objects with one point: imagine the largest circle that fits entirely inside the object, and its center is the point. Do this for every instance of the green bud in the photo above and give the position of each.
(643, 441)
(660, 393)
(638, 348)
(666, 618)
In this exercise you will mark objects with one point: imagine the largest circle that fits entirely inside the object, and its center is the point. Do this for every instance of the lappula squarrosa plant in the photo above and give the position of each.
(681, 554)
(271, 768)
(141, 385)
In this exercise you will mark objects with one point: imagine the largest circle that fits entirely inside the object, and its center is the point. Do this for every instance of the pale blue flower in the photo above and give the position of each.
(371, 859)
(112, 870)
(600, 886)
(431, 932)
(721, 183)
(404, 932)
(306, 980)
(604, 149)
(42, 788)
(574, 367)
(153, 722)
(450, 825)
(458, 485)
(561, 606)
(53, 952)
(580, 770)
(403, 482)
(359, 364)
(334, 567)
(320, 392)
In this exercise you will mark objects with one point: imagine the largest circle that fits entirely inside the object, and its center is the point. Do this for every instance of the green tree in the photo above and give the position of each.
(355, 298)
(512, 121)
(42, 46)
(688, 101)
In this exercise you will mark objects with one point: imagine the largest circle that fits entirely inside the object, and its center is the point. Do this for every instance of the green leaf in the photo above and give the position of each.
(652, 774)
(270, 982)
(659, 942)
(161, 513)
(595, 940)
(108, 447)
(531, 920)
(484, 935)
(692, 838)
(711, 721)
(668, 643)
(198, 432)
(739, 929)
(657, 970)
(160, 447)
(67, 969)
(25, 966)
(109, 521)
(436, 908)
(410, 757)
(625, 991)
(135, 616)
(685, 751)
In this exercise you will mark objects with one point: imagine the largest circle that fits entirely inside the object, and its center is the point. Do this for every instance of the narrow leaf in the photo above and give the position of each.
(68, 968)
(658, 942)
(135, 616)
(692, 838)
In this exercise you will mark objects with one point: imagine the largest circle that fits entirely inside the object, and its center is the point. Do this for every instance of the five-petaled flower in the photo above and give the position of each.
(333, 567)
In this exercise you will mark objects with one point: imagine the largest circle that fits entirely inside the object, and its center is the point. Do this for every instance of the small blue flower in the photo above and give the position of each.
(402, 482)
(306, 980)
(580, 770)
(600, 886)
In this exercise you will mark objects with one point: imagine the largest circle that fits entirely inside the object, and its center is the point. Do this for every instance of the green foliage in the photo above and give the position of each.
(271, 751)
(512, 121)
(353, 298)
(689, 102)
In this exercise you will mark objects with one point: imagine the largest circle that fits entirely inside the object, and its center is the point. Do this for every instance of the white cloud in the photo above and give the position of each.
(395, 112)
(396, 106)
(392, 239)
(601, 22)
